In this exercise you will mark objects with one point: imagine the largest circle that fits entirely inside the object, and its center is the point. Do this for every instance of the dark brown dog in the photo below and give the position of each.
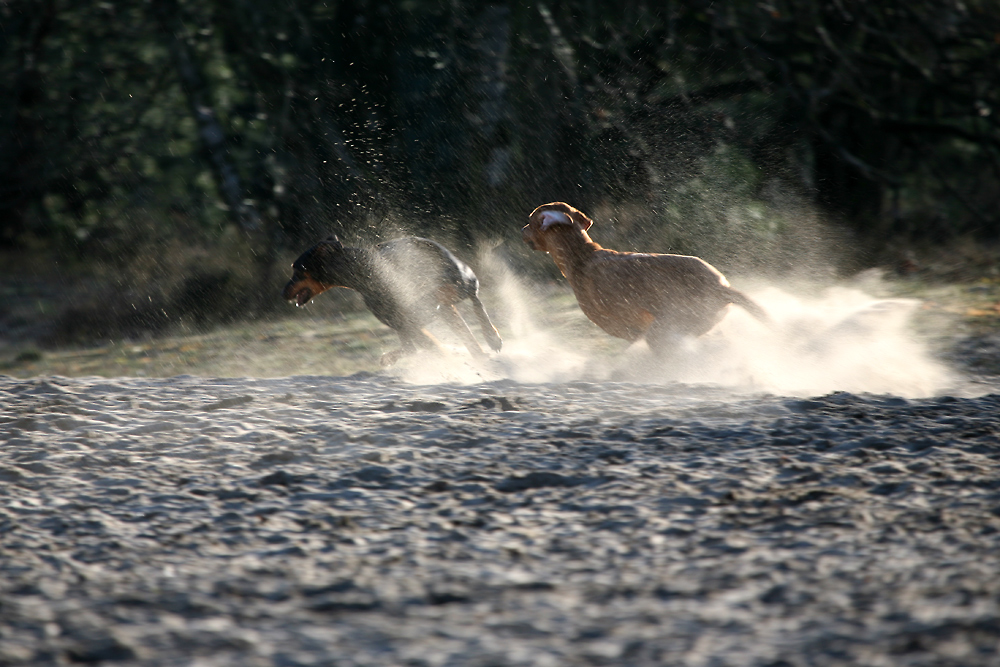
(633, 295)
(405, 283)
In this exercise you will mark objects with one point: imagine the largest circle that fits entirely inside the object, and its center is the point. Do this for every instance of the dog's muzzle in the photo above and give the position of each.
(528, 236)
(300, 296)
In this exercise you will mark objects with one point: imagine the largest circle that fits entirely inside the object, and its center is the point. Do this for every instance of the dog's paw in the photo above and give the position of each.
(389, 358)
(494, 340)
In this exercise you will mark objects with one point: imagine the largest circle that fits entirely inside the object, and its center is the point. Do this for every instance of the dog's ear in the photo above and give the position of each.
(551, 218)
(561, 213)
(334, 241)
(580, 218)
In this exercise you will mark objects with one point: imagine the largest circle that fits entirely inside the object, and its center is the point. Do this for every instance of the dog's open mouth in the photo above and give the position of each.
(303, 296)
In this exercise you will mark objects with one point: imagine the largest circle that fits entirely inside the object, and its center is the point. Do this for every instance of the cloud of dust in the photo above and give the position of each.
(841, 339)
(532, 353)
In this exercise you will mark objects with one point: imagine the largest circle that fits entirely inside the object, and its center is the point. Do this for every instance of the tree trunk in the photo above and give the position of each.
(262, 235)
(210, 132)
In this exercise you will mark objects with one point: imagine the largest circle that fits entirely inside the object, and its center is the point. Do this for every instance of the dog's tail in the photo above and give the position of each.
(749, 305)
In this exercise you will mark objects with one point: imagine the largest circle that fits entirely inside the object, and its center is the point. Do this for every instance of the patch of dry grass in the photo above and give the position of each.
(336, 336)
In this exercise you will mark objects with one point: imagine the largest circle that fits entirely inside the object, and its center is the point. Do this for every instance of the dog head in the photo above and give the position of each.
(315, 271)
(547, 217)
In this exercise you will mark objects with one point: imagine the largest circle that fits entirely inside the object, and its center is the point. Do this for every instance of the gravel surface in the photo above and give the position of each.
(366, 521)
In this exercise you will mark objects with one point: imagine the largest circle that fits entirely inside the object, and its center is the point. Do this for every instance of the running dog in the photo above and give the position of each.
(405, 283)
(634, 295)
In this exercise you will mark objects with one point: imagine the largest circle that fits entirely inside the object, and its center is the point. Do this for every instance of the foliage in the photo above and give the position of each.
(725, 122)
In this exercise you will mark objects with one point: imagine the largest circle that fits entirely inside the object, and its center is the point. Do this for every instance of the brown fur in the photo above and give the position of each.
(633, 295)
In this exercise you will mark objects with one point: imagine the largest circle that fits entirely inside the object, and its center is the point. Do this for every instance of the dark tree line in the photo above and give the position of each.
(289, 118)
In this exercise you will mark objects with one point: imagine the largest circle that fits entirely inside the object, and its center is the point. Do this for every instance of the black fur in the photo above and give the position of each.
(405, 283)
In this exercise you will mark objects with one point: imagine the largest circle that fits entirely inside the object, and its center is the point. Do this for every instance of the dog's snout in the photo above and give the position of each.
(528, 236)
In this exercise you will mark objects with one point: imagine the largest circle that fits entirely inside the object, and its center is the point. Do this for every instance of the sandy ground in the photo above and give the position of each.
(367, 520)
(820, 492)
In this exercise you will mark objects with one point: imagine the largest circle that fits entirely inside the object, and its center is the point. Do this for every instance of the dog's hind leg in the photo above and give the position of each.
(489, 331)
(664, 343)
(665, 335)
(458, 325)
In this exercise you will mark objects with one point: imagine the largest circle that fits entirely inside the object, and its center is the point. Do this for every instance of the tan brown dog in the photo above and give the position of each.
(634, 295)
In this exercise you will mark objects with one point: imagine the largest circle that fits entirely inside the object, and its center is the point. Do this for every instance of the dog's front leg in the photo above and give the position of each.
(489, 331)
(458, 325)
(407, 346)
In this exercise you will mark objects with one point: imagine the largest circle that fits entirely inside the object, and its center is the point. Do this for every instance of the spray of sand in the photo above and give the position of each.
(837, 339)
(532, 352)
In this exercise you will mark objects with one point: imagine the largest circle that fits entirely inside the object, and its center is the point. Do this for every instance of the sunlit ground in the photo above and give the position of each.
(544, 322)
(314, 340)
